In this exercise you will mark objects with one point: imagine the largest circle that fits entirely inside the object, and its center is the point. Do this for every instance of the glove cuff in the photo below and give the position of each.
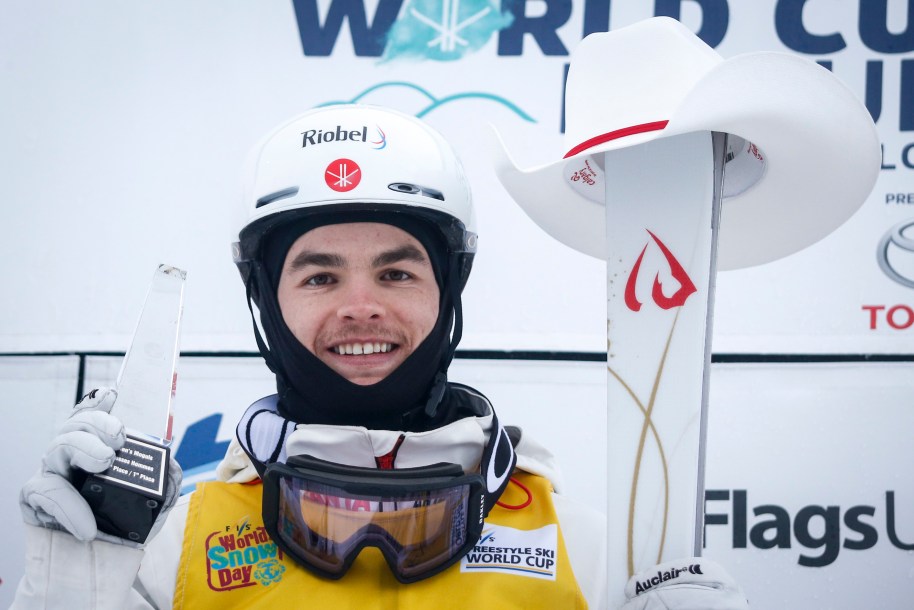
(693, 582)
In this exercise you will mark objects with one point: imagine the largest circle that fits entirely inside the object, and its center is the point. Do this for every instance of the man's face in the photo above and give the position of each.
(359, 296)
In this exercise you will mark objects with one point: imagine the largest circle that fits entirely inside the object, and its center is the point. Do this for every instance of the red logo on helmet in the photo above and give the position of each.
(686, 287)
(343, 175)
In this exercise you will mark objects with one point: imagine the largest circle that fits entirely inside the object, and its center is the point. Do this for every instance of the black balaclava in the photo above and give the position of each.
(412, 397)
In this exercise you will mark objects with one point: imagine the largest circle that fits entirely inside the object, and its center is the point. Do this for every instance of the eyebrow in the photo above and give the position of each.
(318, 259)
(403, 253)
(335, 261)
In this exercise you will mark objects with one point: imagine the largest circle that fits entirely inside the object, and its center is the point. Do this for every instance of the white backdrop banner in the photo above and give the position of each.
(126, 124)
(810, 497)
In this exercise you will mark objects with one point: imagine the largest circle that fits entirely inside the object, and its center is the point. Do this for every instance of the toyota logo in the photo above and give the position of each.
(895, 236)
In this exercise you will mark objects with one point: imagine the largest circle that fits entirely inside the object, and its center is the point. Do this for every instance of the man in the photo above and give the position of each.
(359, 240)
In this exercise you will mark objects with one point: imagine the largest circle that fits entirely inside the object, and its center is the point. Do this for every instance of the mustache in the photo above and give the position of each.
(355, 333)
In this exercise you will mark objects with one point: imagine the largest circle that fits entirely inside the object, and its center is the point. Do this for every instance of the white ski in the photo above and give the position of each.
(662, 212)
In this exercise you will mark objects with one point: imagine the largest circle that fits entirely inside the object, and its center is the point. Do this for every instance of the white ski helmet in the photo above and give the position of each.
(360, 158)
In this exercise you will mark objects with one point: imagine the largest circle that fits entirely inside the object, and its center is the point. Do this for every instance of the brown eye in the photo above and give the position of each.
(321, 279)
(396, 275)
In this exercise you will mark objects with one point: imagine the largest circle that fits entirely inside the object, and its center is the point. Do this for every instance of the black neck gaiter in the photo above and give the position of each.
(311, 392)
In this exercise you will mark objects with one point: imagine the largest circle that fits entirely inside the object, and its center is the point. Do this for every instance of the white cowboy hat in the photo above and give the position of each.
(805, 158)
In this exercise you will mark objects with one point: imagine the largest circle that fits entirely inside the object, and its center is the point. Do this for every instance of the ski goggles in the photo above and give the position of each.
(422, 520)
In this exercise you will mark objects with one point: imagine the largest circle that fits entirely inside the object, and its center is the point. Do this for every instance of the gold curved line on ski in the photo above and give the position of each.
(648, 413)
(663, 466)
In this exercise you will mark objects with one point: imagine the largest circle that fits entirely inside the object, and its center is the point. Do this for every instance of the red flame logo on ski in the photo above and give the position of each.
(677, 299)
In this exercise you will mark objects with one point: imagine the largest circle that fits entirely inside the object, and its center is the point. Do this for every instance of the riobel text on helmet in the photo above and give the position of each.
(313, 137)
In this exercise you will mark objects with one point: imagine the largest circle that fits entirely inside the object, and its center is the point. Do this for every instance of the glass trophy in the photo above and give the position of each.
(127, 498)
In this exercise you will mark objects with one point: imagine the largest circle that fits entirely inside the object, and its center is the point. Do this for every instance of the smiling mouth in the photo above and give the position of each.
(363, 348)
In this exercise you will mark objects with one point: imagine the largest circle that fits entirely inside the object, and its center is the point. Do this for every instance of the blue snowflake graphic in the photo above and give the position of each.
(444, 30)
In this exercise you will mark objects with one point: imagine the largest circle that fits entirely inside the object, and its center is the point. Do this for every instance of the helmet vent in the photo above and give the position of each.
(414, 189)
(284, 193)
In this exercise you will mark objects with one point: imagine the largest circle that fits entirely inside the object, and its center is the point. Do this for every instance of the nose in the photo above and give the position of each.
(361, 301)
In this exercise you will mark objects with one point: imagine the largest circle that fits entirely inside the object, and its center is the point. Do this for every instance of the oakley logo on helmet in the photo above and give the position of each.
(686, 287)
(895, 236)
(343, 175)
(414, 189)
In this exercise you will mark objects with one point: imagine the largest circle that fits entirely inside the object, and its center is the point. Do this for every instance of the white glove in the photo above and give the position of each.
(694, 583)
(86, 441)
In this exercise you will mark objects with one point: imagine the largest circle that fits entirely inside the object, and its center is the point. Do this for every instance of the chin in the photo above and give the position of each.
(366, 380)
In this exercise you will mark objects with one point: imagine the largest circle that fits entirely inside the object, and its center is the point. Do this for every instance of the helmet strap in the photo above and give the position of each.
(258, 337)
(440, 382)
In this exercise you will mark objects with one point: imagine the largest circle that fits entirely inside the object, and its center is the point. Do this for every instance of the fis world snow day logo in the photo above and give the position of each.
(531, 553)
(685, 286)
(243, 555)
(666, 575)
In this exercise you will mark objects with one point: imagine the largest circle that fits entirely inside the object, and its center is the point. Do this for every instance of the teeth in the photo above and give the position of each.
(362, 348)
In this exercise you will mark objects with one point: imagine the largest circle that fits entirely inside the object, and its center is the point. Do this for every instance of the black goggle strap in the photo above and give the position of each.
(498, 461)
